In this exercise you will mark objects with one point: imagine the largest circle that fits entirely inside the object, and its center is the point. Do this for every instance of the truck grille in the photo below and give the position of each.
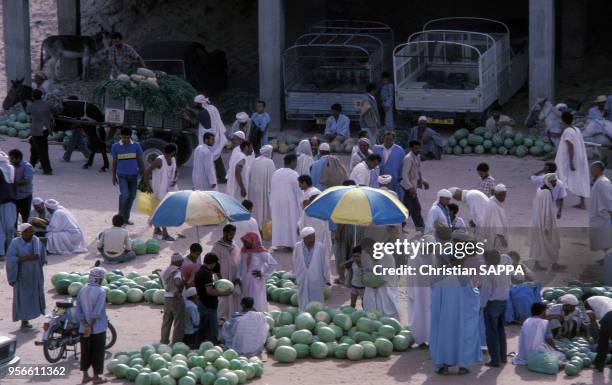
(5, 352)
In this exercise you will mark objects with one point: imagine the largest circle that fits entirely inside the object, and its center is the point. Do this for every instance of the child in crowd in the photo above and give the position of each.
(457, 223)
(261, 121)
(354, 277)
(192, 317)
(487, 182)
(516, 261)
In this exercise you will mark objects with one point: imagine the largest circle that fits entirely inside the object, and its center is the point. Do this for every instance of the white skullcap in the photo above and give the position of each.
(561, 106)
(192, 291)
(313, 191)
(569, 299)
(444, 193)
(365, 140)
(266, 150)
(453, 190)
(201, 99)
(51, 204)
(242, 117)
(384, 179)
(23, 227)
(500, 188)
(306, 231)
(240, 134)
(37, 201)
(176, 257)
(422, 118)
(97, 272)
(324, 147)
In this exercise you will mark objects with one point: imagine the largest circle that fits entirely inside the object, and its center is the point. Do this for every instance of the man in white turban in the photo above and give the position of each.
(600, 209)
(360, 152)
(565, 318)
(209, 120)
(384, 181)
(571, 160)
(476, 201)
(239, 167)
(495, 222)
(305, 159)
(259, 186)
(242, 123)
(438, 215)
(311, 268)
(323, 234)
(431, 140)
(204, 175)
(64, 235)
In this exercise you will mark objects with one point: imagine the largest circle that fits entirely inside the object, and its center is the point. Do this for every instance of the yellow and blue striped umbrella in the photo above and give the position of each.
(198, 208)
(358, 205)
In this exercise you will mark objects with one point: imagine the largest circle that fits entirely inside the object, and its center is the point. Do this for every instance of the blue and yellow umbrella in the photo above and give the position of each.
(357, 205)
(198, 208)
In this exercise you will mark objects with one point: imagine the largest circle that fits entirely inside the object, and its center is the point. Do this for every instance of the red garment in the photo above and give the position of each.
(253, 239)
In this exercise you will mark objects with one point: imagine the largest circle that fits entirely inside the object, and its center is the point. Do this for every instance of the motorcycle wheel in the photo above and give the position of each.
(111, 336)
(53, 348)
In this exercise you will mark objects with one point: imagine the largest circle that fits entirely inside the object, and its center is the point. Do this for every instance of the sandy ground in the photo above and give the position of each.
(93, 200)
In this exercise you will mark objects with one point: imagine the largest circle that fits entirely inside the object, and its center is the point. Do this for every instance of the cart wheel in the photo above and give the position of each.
(152, 148)
(111, 336)
(185, 148)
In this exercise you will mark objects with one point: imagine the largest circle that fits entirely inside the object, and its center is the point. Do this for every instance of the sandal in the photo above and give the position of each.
(99, 380)
(443, 371)
(463, 371)
(168, 238)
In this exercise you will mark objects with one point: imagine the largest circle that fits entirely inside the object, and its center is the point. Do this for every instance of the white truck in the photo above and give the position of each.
(455, 69)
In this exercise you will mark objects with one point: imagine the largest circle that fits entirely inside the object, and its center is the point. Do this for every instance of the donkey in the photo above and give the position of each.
(72, 47)
(18, 93)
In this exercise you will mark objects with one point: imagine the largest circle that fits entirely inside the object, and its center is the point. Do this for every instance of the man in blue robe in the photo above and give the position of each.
(387, 95)
(369, 116)
(392, 161)
(317, 166)
(431, 141)
(454, 338)
(24, 270)
(8, 207)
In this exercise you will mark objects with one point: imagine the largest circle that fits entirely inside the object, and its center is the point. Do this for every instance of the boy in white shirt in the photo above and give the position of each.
(114, 244)
(192, 317)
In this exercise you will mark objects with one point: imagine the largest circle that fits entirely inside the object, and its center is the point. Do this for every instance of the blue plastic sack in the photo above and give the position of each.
(521, 298)
(543, 362)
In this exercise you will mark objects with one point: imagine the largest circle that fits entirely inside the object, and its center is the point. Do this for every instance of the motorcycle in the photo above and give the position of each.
(61, 332)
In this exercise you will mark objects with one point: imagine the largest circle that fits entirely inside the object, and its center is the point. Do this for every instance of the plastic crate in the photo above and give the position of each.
(132, 104)
(133, 118)
(110, 102)
(174, 123)
(152, 120)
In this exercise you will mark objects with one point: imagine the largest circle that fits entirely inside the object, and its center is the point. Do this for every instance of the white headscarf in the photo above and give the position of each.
(306, 231)
(202, 100)
(52, 204)
(444, 193)
(569, 299)
(304, 148)
(548, 178)
(7, 168)
(266, 151)
(37, 201)
(500, 188)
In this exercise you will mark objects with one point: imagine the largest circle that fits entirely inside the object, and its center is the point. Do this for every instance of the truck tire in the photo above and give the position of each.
(152, 148)
(185, 148)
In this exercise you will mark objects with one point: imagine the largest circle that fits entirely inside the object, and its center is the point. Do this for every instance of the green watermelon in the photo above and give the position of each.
(223, 285)
(314, 307)
(305, 321)
(468, 149)
(74, 288)
(487, 144)
(384, 347)
(139, 247)
(343, 321)
(547, 148)
(479, 149)
(480, 130)
(452, 141)
(401, 343)
(152, 246)
(318, 350)
(508, 132)
(521, 151)
(143, 379)
(535, 150)
(447, 149)
(519, 138)
(285, 354)
(508, 143)
(302, 350)
(372, 280)
(457, 150)
(354, 352)
(158, 297)
(493, 150)
(302, 336)
(502, 151)
(474, 139)
(528, 142)
(135, 295)
(498, 140)
(462, 133)
(341, 349)
(117, 297)
(463, 143)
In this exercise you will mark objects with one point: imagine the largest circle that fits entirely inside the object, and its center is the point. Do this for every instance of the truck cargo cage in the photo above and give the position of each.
(325, 68)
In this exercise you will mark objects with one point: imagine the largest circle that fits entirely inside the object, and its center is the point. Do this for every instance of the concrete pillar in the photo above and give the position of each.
(271, 27)
(541, 50)
(69, 23)
(16, 21)
(573, 35)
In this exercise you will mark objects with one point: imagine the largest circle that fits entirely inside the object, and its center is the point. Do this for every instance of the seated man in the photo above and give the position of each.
(536, 336)
(39, 217)
(246, 332)
(565, 318)
(431, 141)
(114, 244)
(337, 125)
(496, 121)
(64, 235)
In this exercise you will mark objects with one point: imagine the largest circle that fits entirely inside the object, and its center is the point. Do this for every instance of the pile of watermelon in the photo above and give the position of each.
(345, 333)
(119, 288)
(282, 287)
(578, 353)
(505, 142)
(552, 294)
(160, 364)
(16, 125)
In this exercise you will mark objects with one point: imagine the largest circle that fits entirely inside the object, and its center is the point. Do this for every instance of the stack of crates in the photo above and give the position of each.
(134, 113)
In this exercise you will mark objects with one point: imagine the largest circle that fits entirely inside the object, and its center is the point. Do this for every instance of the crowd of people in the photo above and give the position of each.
(448, 315)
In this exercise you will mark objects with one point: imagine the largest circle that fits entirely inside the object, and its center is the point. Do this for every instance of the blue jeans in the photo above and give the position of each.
(78, 141)
(209, 325)
(128, 186)
(123, 257)
(494, 315)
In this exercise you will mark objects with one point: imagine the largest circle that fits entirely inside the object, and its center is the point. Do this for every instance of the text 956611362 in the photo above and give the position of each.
(33, 371)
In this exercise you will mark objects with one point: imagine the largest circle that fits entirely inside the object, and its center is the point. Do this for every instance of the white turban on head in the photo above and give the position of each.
(51, 204)
(23, 227)
(306, 231)
(365, 140)
(242, 117)
(6, 168)
(385, 179)
(549, 178)
(500, 188)
(444, 193)
(324, 147)
(422, 118)
(37, 201)
(561, 106)
(266, 150)
(240, 134)
(202, 100)
(569, 299)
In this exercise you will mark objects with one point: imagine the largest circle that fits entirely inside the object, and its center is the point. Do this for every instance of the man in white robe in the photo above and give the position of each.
(535, 336)
(246, 332)
(163, 175)
(64, 235)
(385, 298)
(476, 201)
(322, 232)
(285, 203)
(366, 173)
(438, 215)
(600, 209)
(238, 170)
(572, 162)
(418, 293)
(305, 159)
(259, 186)
(559, 192)
(495, 223)
(360, 152)
(544, 238)
(217, 127)
(203, 174)
(256, 266)
(311, 268)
